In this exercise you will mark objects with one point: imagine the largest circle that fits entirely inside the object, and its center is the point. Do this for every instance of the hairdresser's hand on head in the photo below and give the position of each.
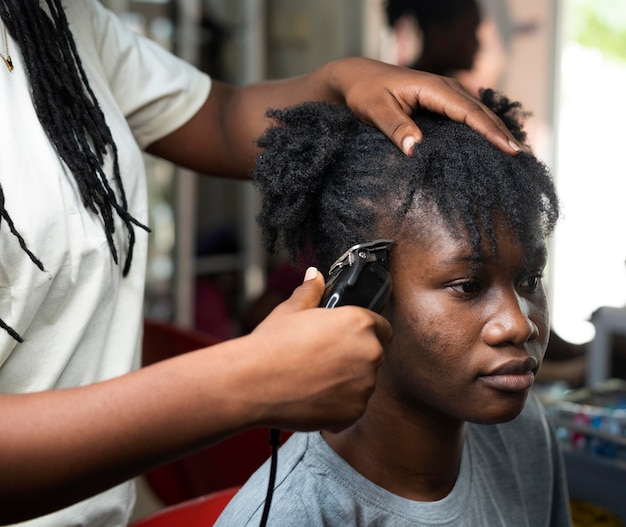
(385, 95)
(323, 362)
(220, 139)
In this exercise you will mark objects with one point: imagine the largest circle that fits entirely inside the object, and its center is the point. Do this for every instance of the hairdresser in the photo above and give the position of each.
(81, 97)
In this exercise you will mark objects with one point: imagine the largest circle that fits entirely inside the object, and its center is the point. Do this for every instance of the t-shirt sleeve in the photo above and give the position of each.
(156, 91)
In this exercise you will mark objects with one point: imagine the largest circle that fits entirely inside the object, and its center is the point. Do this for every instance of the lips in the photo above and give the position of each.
(513, 376)
(515, 367)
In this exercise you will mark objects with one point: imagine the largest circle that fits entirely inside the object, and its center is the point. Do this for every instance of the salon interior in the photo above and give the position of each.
(209, 278)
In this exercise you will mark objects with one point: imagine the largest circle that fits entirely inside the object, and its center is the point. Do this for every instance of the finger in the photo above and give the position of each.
(307, 295)
(445, 96)
(370, 319)
(461, 106)
(383, 330)
(481, 119)
(405, 134)
(394, 120)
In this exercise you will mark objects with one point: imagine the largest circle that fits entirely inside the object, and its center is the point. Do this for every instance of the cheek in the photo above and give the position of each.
(427, 346)
(541, 318)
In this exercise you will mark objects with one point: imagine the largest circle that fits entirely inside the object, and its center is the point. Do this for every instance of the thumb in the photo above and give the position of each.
(307, 295)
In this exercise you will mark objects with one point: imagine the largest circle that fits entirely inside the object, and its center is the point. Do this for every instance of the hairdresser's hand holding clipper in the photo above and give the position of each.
(328, 360)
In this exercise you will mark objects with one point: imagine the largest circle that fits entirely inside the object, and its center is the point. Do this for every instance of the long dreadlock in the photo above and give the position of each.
(70, 115)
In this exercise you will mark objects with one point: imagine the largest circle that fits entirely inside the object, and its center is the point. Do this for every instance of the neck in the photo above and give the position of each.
(413, 454)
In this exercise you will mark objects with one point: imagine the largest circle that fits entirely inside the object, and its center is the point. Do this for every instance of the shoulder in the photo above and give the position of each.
(90, 13)
(98, 31)
(246, 507)
(309, 489)
(154, 90)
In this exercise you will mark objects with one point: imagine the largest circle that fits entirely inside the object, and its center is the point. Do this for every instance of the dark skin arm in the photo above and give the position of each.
(220, 138)
(61, 446)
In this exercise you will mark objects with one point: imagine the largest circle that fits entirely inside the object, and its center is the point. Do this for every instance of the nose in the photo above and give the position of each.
(510, 322)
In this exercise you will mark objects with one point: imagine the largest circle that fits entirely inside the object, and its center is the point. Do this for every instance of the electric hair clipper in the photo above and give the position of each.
(360, 277)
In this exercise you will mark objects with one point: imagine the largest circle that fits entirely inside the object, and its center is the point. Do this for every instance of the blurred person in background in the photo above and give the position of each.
(440, 37)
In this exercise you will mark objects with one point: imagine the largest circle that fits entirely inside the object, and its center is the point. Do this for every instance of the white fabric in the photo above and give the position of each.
(80, 319)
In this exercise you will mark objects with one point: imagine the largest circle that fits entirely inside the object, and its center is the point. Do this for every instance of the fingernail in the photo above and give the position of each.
(515, 146)
(310, 274)
(408, 143)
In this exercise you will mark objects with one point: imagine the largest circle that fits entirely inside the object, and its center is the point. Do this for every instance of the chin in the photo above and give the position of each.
(495, 413)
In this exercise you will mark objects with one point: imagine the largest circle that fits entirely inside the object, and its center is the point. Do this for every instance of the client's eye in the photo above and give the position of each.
(468, 287)
(531, 283)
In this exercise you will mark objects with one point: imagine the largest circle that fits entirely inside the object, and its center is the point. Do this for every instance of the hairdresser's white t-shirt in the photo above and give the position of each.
(80, 319)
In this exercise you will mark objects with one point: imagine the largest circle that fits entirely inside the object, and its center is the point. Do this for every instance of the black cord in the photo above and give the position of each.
(274, 442)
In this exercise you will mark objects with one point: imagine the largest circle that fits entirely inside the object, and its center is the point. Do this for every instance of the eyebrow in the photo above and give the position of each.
(475, 261)
(534, 251)
(464, 259)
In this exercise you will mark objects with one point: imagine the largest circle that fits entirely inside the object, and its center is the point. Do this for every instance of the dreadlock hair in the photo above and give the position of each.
(70, 115)
(329, 181)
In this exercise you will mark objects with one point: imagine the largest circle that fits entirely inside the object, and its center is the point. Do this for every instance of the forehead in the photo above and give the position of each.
(429, 233)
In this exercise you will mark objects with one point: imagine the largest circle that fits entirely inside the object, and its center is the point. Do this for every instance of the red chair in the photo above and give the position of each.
(224, 465)
(199, 512)
(162, 340)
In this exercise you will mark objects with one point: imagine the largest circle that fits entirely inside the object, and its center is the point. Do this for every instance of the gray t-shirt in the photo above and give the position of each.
(511, 475)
